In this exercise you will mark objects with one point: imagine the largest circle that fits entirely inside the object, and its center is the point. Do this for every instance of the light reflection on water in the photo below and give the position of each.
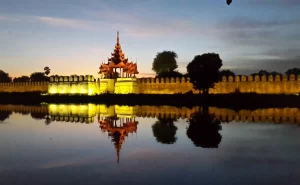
(96, 144)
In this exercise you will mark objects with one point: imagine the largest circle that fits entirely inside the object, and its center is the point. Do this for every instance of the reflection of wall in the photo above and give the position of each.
(87, 111)
(24, 87)
(165, 111)
(125, 111)
(277, 115)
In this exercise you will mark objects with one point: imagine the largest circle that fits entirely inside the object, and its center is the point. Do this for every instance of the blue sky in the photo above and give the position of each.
(75, 36)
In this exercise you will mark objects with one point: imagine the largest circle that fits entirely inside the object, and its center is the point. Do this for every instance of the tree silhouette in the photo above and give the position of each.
(203, 71)
(294, 71)
(164, 131)
(204, 129)
(228, 2)
(22, 79)
(38, 115)
(173, 74)
(38, 77)
(266, 73)
(47, 120)
(226, 73)
(4, 77)
(164, 62)
(47, 70)
(4, 115)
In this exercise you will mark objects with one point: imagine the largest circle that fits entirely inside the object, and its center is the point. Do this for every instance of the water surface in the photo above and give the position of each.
(95, 144)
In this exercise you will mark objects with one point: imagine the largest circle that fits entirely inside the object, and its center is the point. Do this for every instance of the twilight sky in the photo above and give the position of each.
(75, 36)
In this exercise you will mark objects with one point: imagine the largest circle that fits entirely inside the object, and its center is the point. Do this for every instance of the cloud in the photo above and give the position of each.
(248, 23)
(248, 66)
(286, 3)
(9, 18)
(62, 22)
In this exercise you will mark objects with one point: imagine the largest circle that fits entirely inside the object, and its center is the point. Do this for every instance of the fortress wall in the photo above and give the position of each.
(87, 85)
(24, 87)
(73, 85)
(244, 84)
(165, 85)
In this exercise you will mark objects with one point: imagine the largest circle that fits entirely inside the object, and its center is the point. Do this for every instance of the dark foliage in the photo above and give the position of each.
(164, 62)
(203, 71)
(4, 77)
(173, 74)
(38, 115)
(4, 115)
(47, 70)
(266, 73)
(164, 131)
(204, 130)
(39, 77)
(22, 79)
(294, 71)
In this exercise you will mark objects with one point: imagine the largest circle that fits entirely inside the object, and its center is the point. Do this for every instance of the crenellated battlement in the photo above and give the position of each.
(79, 84)
(25, 84)
(72, 78)
(264, 78)
(24, 87)
(163, 80)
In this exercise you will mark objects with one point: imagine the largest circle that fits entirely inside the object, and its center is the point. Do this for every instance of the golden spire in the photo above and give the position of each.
(118, 40)
(118, 155)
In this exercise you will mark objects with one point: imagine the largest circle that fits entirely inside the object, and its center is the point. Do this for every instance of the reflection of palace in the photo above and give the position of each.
(118, 129)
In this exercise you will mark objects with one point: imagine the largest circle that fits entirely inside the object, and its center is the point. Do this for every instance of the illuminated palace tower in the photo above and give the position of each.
(118, 74)
(118, 132)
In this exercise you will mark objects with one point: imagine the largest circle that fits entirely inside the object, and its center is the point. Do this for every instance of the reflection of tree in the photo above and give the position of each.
(204, 130)
(38, 115)
(48, 120)
(164, 131)
(4, 115)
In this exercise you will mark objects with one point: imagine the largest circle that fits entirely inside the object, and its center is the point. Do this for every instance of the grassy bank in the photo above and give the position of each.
(234, 101)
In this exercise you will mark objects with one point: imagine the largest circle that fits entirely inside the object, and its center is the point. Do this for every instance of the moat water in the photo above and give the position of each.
(44, 145)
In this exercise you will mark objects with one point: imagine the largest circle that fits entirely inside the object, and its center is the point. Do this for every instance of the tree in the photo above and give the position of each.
(266, 73)
(164, 131)
(38, 77)
(173, 74)
(228, 2)
(4, 115)
(226, 73)
(4, 77)
(164, 62)
(38, 115)
(274, 73)
(22, 79)
(294, 71)
(47, 70)
(204, 129)
(203, 71)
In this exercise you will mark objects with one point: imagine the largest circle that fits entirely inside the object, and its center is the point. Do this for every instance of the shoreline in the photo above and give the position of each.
(234, 101)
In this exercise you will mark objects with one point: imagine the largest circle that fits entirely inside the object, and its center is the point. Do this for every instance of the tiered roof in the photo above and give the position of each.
(118, 134)
(118, 60)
